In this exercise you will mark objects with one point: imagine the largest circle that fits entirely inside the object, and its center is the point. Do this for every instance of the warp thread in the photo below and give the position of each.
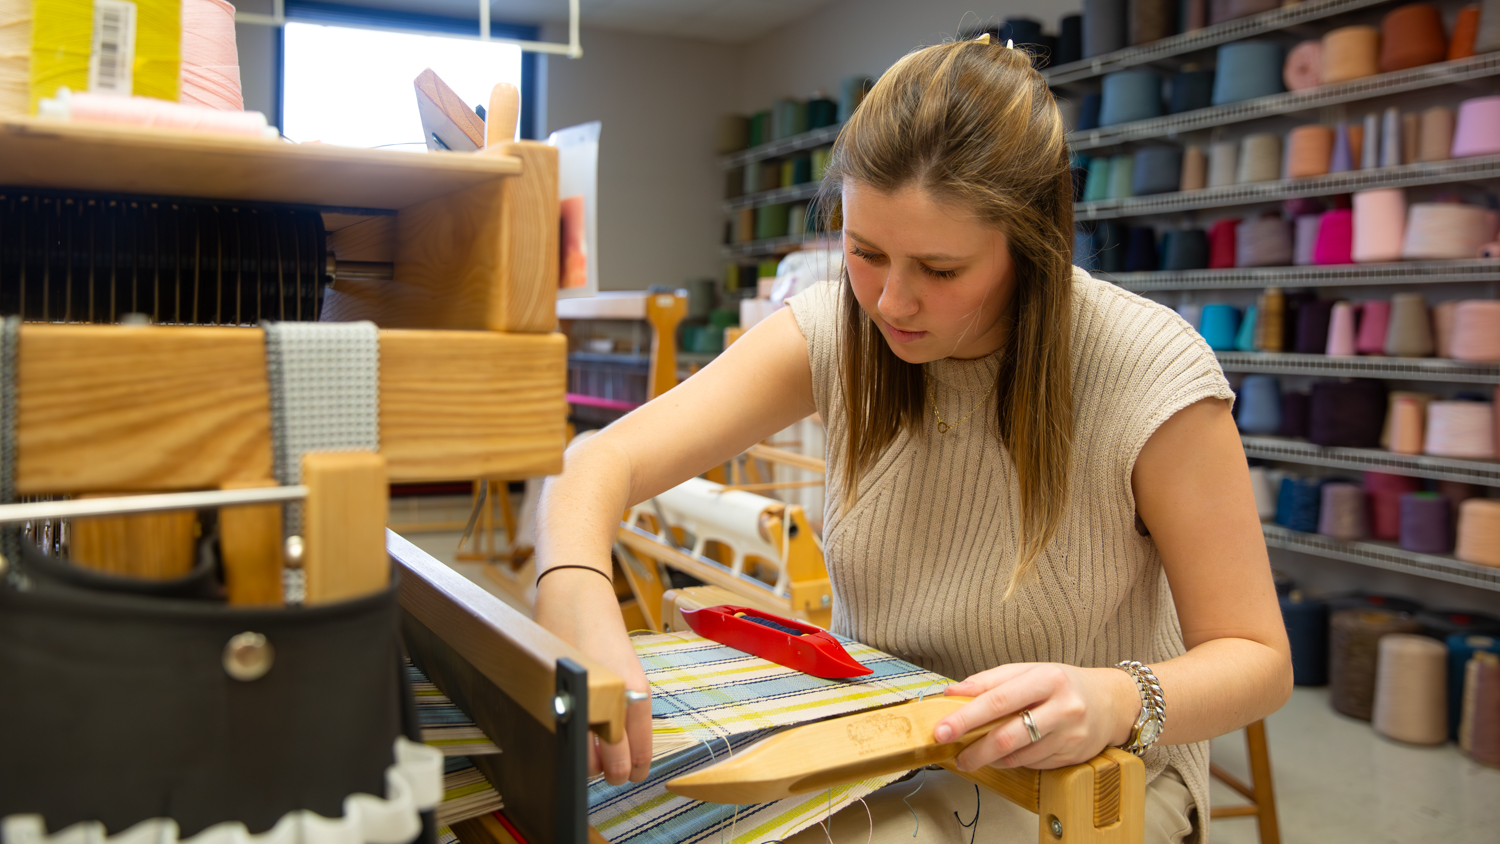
(1411, 689)
(1354, 648)
(1426, 523)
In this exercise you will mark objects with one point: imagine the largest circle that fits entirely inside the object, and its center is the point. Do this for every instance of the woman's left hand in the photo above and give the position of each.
(1077, 711)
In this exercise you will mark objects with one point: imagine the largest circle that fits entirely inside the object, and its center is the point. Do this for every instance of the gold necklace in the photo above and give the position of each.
(944, 427)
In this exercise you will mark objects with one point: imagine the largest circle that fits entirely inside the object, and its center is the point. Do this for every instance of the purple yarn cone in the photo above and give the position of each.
(1343, 159)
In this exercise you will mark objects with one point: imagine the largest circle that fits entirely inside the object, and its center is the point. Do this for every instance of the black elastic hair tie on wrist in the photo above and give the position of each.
(551, 569)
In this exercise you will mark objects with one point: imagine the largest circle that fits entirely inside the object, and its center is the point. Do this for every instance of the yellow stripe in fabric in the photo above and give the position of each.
(636, 811)
(729, 719)
(62, 36)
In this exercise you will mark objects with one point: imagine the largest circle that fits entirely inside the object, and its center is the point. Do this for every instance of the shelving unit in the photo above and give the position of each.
(1400, 369)
(1345, 275)
(795, 193)
(1384, 555)
(762, 248)
(1453, 171)
(1482, 66)
(786, 146)
(1481, 472)
(1203, 39)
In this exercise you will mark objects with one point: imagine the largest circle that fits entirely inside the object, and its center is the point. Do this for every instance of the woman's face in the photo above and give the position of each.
(935, 278)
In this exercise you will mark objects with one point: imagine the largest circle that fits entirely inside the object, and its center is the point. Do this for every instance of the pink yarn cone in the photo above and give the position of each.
(1375, 321)
(1341, 330)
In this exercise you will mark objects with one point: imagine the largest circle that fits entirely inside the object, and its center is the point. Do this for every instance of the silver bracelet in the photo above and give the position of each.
(1153, 716)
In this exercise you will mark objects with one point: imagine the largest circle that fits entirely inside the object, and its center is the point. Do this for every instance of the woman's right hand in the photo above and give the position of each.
(580, 608)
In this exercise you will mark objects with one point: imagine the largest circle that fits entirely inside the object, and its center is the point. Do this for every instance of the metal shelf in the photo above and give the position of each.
(1383, 555)
(794, 193)
(1404, 176)
(764, 248)
(1202, 39)
(1405, 369)
(1482, 472)
(1481, 66)
(785, 146)
(1344, 275)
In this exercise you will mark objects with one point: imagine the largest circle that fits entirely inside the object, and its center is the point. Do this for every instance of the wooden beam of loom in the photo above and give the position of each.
(505, 646)
(121, 408)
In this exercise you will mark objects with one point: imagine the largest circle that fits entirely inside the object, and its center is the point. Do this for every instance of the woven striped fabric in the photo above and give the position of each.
(709, 700)
(444, 725)
(466, 793)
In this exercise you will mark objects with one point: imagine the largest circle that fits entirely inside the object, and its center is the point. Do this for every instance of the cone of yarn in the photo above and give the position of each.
(1151, 20)
(1350, 52)
(1313, 320)
(1387, 435)
(1069, 40)
(1390, 138)
(1263, 242)
(1270, 317)
(1435, 134)
(1221, 244)
(1185, 250)
(1103, 27)
(1356, 146)
(1354, 649)
(1194, 14)
(1476, 331)
(1223, 163)
(1341, 159)
(1304, 66)
(1309, 150)
(1479, 723)
(1192, 313)
(1265, 496)
(1379, 225)
(1408, 425)
(1191, 90)
(1374, 325)
(1121, 176)
(1409, 334)
(1297, 504)
(1194, 169)
(1444, 230)
(1335, 243)
(1411, 137)
(1307, 632)
(1228, 10)
(1140, 250)
(1130, 95)
(1219, 325)
(1305, 238)
(1088, 113)
(1487, 38)
(1341, 331)
(1426, 523)
(1109, 239)
(1464, 429)
(1244, 341)
(1349, 414)
(1465, 28)
(1479, 532)
(1295, 407)
(1477, 129)
(210, 67)
(1157, 170)
(1294, 303)
(1246, 70)
(1260, 159)
(1342, 514)
(1369, 157)
(1085, 255)
(1412, 36)
(1462, 647)
(1411, 689)
(1384, 493)
(1096, 185)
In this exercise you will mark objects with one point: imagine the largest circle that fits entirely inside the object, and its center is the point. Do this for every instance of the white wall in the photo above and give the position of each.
(660, 183)
(865, 37)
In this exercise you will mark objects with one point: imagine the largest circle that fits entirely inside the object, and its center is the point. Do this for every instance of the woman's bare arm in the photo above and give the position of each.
(759, 386)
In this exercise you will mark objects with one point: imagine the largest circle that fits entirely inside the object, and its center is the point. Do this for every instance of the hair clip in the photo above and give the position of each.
(984, 38)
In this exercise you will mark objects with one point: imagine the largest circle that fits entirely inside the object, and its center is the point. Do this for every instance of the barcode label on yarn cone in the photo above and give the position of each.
(113, 53)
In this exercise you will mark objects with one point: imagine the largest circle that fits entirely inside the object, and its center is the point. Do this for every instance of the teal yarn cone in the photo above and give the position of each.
(1219, 326)
(1244, 341)
(1121, 176)
(1258, 405)
(1096, 187)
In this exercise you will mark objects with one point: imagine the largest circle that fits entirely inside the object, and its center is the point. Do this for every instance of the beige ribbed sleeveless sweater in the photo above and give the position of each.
(921, 562)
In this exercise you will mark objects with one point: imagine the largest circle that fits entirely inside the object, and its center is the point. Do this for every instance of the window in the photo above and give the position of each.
(346, 83)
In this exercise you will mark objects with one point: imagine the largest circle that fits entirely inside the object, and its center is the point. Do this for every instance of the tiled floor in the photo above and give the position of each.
(1337, 781)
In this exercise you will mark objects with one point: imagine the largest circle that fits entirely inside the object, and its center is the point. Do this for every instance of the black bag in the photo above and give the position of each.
(115, 704)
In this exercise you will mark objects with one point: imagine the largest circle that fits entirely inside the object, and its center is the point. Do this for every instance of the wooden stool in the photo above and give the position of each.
(1261, 794)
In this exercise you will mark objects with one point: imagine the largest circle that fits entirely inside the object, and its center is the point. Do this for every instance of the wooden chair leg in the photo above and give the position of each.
(1260, 791)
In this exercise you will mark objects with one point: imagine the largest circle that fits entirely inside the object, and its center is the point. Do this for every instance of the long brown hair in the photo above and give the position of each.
(972, 123)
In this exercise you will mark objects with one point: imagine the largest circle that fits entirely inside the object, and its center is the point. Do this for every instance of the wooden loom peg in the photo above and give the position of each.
(500, 117)
(816, 756)
(343, 525)
(250, 540)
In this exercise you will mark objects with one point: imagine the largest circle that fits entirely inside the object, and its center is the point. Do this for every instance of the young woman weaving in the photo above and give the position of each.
(1034, 480)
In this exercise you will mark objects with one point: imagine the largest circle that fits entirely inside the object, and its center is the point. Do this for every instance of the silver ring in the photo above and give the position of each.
(636, 697)
(1031, 729)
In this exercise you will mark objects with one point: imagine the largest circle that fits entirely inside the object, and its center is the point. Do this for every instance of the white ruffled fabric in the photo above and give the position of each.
(413, 784)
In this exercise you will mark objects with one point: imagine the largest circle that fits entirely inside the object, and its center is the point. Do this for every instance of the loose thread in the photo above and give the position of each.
(871, 816)
(828, 825)
(973, 825)
(917, 821)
